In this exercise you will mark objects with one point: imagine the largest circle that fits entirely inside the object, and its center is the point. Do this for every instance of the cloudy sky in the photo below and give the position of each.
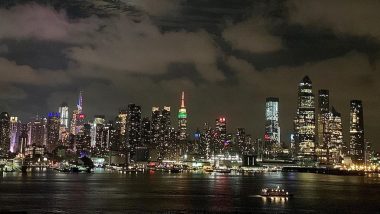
(227, 55)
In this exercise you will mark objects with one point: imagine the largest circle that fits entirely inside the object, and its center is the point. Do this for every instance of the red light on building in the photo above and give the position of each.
(266, 137)
(222, 119)
(80, 116)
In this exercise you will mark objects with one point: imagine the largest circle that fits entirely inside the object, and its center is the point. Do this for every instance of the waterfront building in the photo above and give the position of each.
(304, 123)
(356, 147)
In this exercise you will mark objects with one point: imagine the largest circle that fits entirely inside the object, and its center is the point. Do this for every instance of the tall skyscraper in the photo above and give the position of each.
(121, 121)
(272, 127)
(4, 134)
(323, 126)
(240, 140)
(53, 124)
(335, 145)
(207, 141)
(133, 137)
(98, 140)
(182, 119)
(304, 123)
(156, 127)
(23, 138)
(77, 121)
(146, 133)
(63, 111)
(37, 132)
(15, 131)
(357, 147)
(220, 134)
(166, 133)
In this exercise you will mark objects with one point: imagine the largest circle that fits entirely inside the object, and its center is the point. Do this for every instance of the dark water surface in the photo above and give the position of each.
(186, 193)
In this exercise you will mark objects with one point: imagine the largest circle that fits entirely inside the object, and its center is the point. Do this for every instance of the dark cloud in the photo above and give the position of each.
(253, 36)
(359, 18)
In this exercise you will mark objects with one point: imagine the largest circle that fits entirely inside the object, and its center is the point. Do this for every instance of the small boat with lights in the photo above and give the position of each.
(208, 169)
(277, 192)
(223, 170)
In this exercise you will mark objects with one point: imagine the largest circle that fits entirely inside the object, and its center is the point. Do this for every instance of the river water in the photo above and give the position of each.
(153, 191)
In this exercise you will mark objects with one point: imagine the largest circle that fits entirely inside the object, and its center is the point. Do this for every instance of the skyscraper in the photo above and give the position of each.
(323, 126)
(240, 140)
(4, 134)
(335, 147)
(156, 131)
(357, 146)
(120, 132)
(133, 136)
(146, 133)
(63, 111)
(304, 123)
(220, 134)
(96, 128)
(272, 127)
(53, 124)
(15, 131)
(182, 119)
(206, 147)
(121, 121)
(77, 120)
(37, 132)
(166, 133)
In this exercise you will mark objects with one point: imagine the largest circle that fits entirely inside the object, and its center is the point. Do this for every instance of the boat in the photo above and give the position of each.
(223, 170)
(208, 169)
(74, 169)
(9, 170)
(174, 170)
(277, 192)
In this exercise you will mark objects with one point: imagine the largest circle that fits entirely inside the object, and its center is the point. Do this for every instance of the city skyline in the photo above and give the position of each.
(219, 72)
(321, 110)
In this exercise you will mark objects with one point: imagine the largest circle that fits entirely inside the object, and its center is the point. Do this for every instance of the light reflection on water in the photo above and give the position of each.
(158, 191)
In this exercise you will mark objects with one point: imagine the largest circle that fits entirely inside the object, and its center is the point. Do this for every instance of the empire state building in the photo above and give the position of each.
(182, 119)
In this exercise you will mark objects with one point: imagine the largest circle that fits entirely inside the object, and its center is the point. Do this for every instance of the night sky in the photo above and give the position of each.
(227, 55)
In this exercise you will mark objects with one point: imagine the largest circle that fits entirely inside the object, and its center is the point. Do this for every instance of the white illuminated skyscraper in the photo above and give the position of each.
(272, 126)
(64, 115)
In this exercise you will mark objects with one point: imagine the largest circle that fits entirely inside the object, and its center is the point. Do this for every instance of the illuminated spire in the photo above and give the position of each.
(80, 102)
(183, 100)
